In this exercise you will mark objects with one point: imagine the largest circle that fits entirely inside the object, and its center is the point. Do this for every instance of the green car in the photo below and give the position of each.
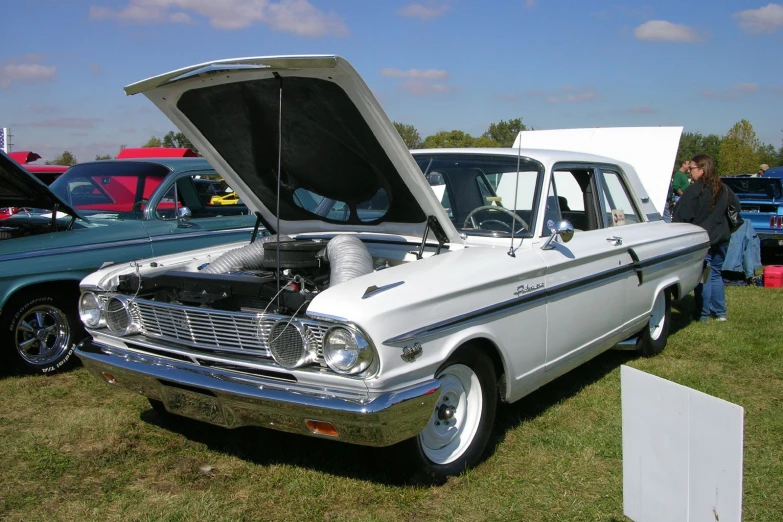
(96, 214)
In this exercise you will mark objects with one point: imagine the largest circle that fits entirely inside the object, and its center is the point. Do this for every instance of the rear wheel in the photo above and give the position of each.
(653, 339)
(457, 433)
(158, 407)
(38, 332)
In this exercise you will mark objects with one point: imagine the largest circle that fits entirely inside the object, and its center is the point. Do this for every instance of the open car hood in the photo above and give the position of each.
(20, 188)
(343, 164)
(651, 151)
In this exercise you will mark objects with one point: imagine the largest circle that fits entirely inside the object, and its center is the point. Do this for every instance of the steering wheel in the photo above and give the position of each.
(489, 208)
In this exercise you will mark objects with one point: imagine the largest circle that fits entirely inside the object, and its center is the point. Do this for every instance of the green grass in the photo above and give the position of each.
(73, 449)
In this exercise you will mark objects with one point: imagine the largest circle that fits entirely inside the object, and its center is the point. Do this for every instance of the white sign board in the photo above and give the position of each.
(650, 150)
(682, 452)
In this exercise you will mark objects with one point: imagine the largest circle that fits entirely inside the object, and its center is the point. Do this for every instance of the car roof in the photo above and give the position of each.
(544, 156)
(172, 163)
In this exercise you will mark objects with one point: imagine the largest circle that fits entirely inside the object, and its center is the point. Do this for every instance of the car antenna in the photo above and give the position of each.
(511, 250)
(279, 163)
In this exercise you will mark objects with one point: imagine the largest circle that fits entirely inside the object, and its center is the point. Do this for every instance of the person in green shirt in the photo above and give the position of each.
(679, 183)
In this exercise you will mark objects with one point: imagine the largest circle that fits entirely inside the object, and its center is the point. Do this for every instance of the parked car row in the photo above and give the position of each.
(95, 214)
(762, 204)
(400, 297)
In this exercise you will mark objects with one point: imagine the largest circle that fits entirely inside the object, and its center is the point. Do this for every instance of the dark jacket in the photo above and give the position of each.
(694, 207)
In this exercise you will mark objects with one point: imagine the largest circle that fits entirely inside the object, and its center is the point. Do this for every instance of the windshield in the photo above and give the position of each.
(121, 188)
(478, 194)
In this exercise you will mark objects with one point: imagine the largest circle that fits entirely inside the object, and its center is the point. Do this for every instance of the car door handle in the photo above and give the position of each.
(617, 240)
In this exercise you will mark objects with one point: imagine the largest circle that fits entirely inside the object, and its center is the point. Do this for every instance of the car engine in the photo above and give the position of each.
(271, 275)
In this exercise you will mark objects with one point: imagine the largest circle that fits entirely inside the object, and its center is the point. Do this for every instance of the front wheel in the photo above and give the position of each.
(653, 339)
(457, 433)
(39, 332)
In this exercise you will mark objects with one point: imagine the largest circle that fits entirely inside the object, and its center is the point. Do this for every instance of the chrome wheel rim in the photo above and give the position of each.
(42, 335)
(658, 317)
(456, 417)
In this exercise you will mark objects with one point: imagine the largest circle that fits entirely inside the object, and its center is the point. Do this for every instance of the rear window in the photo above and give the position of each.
(117, 187)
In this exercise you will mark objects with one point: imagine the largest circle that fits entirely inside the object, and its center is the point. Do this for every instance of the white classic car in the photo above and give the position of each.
(400, 296)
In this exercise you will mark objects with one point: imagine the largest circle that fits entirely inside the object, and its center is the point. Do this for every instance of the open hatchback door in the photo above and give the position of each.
(311, 120)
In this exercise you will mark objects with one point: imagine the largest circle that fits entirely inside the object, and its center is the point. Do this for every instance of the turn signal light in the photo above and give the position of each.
(110, 378)
(321, 428)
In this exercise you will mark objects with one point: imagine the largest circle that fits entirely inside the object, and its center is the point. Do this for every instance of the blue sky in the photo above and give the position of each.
(435, 64)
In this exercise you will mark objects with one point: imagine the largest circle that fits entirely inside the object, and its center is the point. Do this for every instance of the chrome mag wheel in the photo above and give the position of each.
(42, 335)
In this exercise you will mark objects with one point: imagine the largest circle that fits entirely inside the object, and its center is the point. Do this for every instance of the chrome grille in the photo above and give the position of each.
(218, 330)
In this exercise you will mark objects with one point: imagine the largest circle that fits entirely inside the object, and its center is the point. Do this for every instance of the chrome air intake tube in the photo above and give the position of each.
(248, 257)
(348, 258)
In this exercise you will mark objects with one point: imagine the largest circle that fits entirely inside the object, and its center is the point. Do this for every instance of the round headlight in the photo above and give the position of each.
(346, 351)
(90, 310)
(118, 316)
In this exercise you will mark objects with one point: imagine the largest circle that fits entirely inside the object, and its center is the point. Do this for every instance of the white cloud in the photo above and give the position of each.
(73, 123)
(736, 91)
(424, 12)
(565, 94)
(420, 82)
(299, 17)
(25, 73)
(44, 109)
(642, 109)
(746, 87)
(427, 74)
(663, 31)
(766, 19)
(419, 87)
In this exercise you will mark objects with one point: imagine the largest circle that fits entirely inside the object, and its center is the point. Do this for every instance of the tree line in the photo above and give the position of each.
(739, 151)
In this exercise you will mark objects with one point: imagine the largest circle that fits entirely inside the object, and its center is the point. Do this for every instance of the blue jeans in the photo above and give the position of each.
(711, 296)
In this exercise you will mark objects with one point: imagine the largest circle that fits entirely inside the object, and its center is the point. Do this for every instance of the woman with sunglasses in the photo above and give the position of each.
(704, 203)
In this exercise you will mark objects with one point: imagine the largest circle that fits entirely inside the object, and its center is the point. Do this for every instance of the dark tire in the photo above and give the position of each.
(441, 450)
(39, 331)
(158, 407)
(653, 338)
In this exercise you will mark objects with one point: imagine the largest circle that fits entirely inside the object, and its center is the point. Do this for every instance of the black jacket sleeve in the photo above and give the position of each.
(686, 209)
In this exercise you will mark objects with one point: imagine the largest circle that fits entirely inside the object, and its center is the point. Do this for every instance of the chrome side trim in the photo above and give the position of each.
(535, 298)
(221, 398)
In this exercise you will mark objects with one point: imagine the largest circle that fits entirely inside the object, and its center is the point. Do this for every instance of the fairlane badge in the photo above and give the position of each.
(523, 289)
(409, 353)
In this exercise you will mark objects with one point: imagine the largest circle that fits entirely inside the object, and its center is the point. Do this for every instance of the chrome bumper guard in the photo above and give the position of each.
(233, 400)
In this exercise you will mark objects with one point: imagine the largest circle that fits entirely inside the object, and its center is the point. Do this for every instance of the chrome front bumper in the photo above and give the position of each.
(232, 400)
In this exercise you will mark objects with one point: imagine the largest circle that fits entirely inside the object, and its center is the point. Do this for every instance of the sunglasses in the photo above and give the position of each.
(692, 167)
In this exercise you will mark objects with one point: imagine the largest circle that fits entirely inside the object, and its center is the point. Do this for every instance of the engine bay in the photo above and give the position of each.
(271, 275)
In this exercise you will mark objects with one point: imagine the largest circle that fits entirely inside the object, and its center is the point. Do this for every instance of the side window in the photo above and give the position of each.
(165, 209)
(191, 194)
(552, 212)
(438, 185)
(570, 190)
(617, 201)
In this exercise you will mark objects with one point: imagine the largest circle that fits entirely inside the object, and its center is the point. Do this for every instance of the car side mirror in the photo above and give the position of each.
(562, 229)
(185, 214)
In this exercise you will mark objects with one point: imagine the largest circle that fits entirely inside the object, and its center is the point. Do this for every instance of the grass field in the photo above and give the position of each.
(72, 449)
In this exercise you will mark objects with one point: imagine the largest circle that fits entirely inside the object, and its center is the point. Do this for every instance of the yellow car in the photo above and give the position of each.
(228, 199)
